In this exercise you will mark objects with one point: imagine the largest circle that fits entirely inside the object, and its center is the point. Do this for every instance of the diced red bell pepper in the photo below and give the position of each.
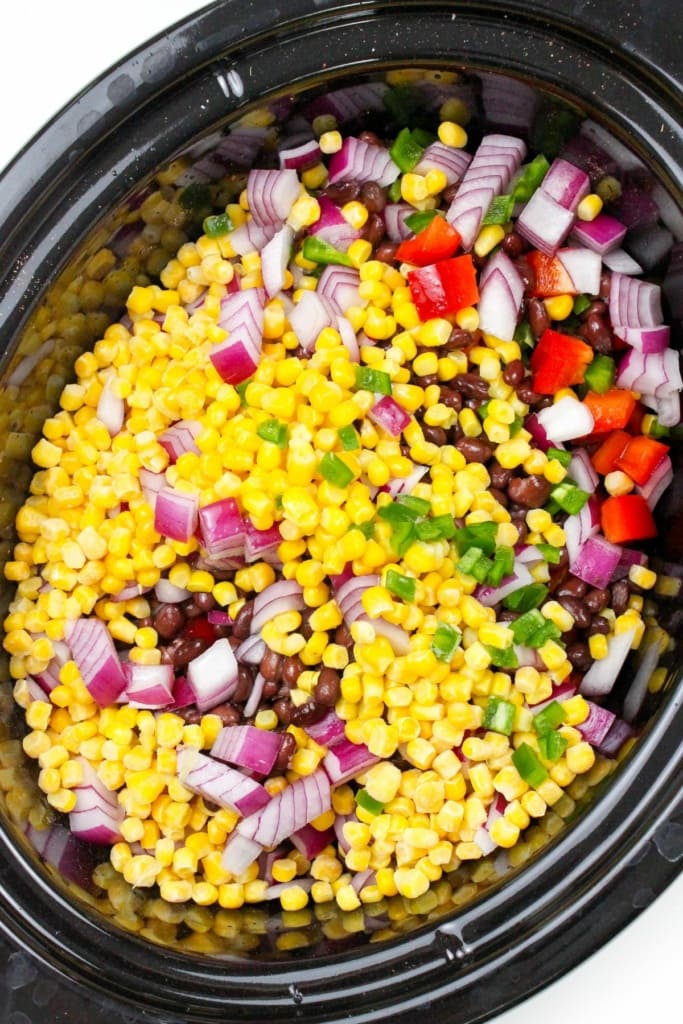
(627, 517)
(640, 457)
(441, 289)
(551, 278)
(436, 242)
(605, 458)
(611, 410)
(558, 361)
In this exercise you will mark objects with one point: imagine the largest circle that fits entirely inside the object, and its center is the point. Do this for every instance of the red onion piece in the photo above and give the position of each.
(97, 814)
(217, 617)
(349, 338)
(389, 415)
(561, 691)
(251, 237)
(544, 223)
(111, 408)
(595, 727)
(283, 595)
(310, 842)
(92, 648)
(582, 471)
(602, 675)
(309, 317)
(602, 235)
(479, 186)
(482, 836)
(634, 303)
(596, 561)
(183, 694)
(566, 184)
(508, 103)
(629, 557)
(437, 156)
(660, 479)
(584, 267)
(248, 747)
(251, 706)
(362, 162)
(329, 731)
(148, 686)
(222, 529)
(180, 438)
(299, 157)
(274, 259)
(347, 104)
(592, 158)
(621, 263)
(619, 732)
(236, 359)
(288, 811)
(352, 588)
(500, 295)
(566, 420)
(406, 484)
(645, 339)
(271, 194)
(261, 544)
(74, 859)
(251, 650)
(339, 285)
(578, 528)
(635, 206)
(668, 409)
(332, 226)
(396, 635)
(213, 675)
(176, 514)
(219, 783)
(394, 221)
(346, 760)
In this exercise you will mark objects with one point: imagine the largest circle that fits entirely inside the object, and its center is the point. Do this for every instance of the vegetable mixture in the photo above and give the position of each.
(335, 547)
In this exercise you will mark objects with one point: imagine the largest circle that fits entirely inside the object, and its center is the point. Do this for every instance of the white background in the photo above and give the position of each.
(48, 52)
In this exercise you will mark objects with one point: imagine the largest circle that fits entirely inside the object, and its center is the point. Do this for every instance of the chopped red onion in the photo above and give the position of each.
(281, 596)
(566, 420)
(584, 267)
(657, 483)
(362, 162)
(275, 256)
(252, 704)
(183, 694)
(508, 103)
(239, 853)
(333, 227)
(97, 814)
(578, 528)
(310, 842)
(148, 686)
(251, 237)
(288, 811)
(645, 339)
(596, 561)
(309, 317)
(329, 731)
(616, 737)
(339, 285)
(92, 648)
(621, 263)
(635, 206)
(213, 674)
(544, 223)
(634, 303)
(595, 727)
(218, 617)
(482, 836)
(251, 650)
(602, 675)
(271, 194)
(389, 415)
(566, 183)
(394, 221)
(582, 471)
(629, 557)
(111, 408)
(500, 295)
(437, 156)
(176, 513)
(406, 484)
(222, 529)
(179, 438)
(349, 338)
(561, 691)
(219, 783)
(345, 760)
(261, 544)
(602, 235)
(483, 180)
(248, 747)
(300, 157)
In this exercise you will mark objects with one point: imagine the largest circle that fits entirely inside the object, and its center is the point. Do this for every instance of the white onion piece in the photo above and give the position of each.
(669, 409)
(169, 593)
(243, 310)
(274, 259)
(566, 420)
(396, 635)
(602, 675)
(111, 408)
(584, 267)
(406, 484)
(213, 674)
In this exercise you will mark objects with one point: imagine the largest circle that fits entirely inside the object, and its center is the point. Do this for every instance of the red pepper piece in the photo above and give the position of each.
(627, 517)
(605, 458)
(640, 457)
(441, 289)
(199, 628)
(436, 242)
(558, 361)
(612, 410)
(551, 278)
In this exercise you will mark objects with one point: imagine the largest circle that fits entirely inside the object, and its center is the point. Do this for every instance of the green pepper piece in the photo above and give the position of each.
(600, 374)
(368, 379)
(560, 455)
(317, 250)
(335, 470)
(217, 225)
(273, 431)
(349, 438)
(499, 715)
(481, 535)
(419, 220)
(502, 657)
(445, 641)
(418, 506)
(527, 763)
(406, 150)
(549, 717)
(500, 210)
(400, 585)
(526, 598)
(552, 746)
(532, 174)
(569, 497)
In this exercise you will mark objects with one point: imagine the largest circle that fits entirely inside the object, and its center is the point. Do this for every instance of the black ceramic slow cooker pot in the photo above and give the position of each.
(64, 200)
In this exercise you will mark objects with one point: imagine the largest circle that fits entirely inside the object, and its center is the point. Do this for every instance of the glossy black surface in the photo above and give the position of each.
(646, 32)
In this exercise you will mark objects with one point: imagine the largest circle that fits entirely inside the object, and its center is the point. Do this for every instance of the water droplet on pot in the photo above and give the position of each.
(668, 840)
(296, 994)
(20, 971)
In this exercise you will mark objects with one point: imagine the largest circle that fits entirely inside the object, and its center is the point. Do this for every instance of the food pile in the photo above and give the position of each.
(338, 542)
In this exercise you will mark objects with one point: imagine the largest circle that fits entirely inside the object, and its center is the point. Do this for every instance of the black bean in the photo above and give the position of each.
(572, 586)
(577, 609)
(605, 285)
(342, 636)
(191, 715)
(459, 338)
(271, 666)
(597, 333)
(512, 245)
(283, 709)
(342, 192)
(308, 713)
(500, 477)
(245, 683)
(596, 599)
(373, 229)
(385, 252)
(327, 690)
(500, 496)
(474, 449)
(168, 620)
(373, 197)
(599, 624)
(305, 628)
(526, 273)
(285, 753)
(292, 667)
(270, 689)
(184, 651)
(471, 385)
(204, 601)
(579, 655)
(451, 398)
(425, 380)
(539, 321)
(597, 308)
(513, 374)
(526, 393)
(242, 622)
(228, 714)
(435, 435)
(529, 491)
(620, 597)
